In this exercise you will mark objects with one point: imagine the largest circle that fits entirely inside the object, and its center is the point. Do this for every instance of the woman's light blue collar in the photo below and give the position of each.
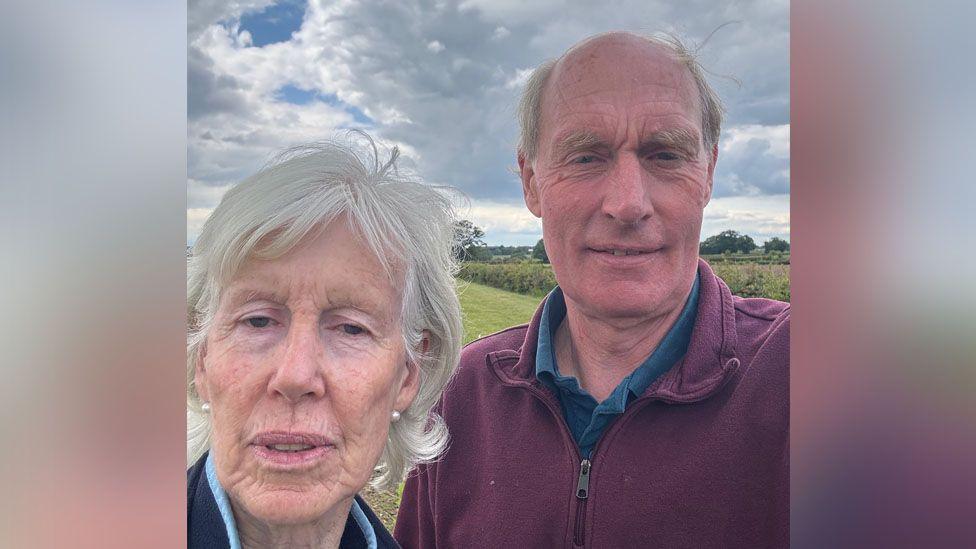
(357, 513)
(223, 504)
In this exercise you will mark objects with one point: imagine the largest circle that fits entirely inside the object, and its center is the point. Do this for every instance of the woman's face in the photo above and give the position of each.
(302, 367)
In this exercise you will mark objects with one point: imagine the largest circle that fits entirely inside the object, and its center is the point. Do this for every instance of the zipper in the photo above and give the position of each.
(586, 465)
(582, 493)
(583, 482)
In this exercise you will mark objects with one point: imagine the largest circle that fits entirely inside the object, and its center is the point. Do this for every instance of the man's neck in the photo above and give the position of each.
(601, 352)
(323, 533)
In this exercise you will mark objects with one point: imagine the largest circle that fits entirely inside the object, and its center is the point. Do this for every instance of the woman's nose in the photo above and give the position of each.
(298, 372)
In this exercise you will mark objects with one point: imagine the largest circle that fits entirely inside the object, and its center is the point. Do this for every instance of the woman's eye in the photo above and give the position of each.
(258, 321)
(352, 329)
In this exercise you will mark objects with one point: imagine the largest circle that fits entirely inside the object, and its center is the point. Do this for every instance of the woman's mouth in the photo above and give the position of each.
(290, 450)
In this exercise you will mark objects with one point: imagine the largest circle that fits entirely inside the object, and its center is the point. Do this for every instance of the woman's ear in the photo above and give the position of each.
(200, 374)
(410, 385)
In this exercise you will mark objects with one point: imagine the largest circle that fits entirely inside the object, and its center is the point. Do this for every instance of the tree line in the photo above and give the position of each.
(472, 247)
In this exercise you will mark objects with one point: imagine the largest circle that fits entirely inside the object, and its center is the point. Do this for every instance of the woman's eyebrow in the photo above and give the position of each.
(241, 295)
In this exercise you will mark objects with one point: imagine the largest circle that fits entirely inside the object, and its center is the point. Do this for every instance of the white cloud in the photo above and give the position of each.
(195, 218)
(519, 79)
(753, 160)
(513, 10)
(500, 33)
(495, 216)
(778, 137)
(202, 195)
(453, 113)
(760, 217)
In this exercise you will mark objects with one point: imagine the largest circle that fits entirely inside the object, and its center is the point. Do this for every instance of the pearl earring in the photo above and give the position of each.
(205, 407)
(395, 416)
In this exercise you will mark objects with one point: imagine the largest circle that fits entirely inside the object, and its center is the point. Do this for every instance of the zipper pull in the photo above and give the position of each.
(583, 486)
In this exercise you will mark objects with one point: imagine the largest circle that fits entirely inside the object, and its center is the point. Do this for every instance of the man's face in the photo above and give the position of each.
(620, 178)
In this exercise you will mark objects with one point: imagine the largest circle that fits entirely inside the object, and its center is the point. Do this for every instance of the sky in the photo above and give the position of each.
(440, 80)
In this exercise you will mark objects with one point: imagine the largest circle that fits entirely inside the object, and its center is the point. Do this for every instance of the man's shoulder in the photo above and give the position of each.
(761, 308)
(763, 324)
(509, 339)
(477, 375)
(502, 345)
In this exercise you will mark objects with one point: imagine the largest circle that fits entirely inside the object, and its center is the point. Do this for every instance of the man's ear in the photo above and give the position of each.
(527, 175)
(712, 160)
(410, 385)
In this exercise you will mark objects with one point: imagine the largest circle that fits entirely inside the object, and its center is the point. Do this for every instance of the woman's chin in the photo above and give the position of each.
(290, 506)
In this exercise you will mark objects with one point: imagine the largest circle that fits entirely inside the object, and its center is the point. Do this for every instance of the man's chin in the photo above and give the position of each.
(613, 301)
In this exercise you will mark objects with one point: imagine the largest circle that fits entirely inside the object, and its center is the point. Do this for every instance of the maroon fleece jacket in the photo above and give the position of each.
(701, 459)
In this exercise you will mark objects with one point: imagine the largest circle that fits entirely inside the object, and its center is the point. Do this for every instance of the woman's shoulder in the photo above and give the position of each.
(205, 528)
(384, 540)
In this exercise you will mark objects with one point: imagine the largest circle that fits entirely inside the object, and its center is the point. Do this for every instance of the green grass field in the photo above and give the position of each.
(488, 310)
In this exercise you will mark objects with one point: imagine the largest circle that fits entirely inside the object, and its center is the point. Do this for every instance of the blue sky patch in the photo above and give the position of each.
(275, 23)
(297, 96)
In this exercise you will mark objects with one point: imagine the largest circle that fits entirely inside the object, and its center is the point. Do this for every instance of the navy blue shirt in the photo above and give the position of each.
(586, 418)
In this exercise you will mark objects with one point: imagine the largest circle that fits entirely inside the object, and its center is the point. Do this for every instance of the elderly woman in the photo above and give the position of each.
(323, 325)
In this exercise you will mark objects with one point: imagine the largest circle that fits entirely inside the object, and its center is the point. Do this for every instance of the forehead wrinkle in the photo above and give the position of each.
(328, 292)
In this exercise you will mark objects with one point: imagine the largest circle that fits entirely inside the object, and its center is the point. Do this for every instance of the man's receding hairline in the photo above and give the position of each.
(530, 107)
(577, 49)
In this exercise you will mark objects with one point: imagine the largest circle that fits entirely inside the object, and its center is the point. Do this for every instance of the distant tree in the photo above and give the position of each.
(469, 239)
(519, 254)
(727, 241)
(747, 244)
(776, 244)
(539, 252)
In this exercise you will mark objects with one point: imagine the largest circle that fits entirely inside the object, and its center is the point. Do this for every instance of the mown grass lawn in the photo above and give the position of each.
(488, 310)
(485, 311)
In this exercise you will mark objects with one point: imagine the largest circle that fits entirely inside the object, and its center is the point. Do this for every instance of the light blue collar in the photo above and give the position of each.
(223, 504)
(357, 513)
(228, 515)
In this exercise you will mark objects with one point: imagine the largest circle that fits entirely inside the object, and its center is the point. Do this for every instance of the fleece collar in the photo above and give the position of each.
(707, 366)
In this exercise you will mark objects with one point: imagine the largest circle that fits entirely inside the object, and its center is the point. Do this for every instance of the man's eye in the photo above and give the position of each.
(352, 329)
(258, 321)
(666, 156)
(585, 159)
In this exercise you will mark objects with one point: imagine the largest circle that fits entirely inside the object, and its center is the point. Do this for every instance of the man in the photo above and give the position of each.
(644, 405)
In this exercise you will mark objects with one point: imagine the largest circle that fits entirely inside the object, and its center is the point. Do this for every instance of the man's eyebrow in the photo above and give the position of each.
(678, 138)
(578, 141)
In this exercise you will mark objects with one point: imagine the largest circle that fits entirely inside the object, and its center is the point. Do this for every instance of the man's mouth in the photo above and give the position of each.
(621, 252)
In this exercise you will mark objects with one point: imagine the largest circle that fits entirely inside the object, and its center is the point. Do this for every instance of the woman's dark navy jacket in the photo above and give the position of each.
(205, 528)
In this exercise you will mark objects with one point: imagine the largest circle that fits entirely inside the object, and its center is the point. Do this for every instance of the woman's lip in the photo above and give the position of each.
(271, 438)
(284, 459)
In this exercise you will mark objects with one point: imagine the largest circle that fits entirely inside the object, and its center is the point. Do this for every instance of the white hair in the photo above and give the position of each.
(408, 226)
(530, 103)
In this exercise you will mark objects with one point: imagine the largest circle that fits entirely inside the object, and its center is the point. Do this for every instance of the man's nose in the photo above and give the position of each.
(299, 372)
(626, 199)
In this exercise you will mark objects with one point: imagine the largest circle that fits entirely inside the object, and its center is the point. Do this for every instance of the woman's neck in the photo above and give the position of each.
(322, 533)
